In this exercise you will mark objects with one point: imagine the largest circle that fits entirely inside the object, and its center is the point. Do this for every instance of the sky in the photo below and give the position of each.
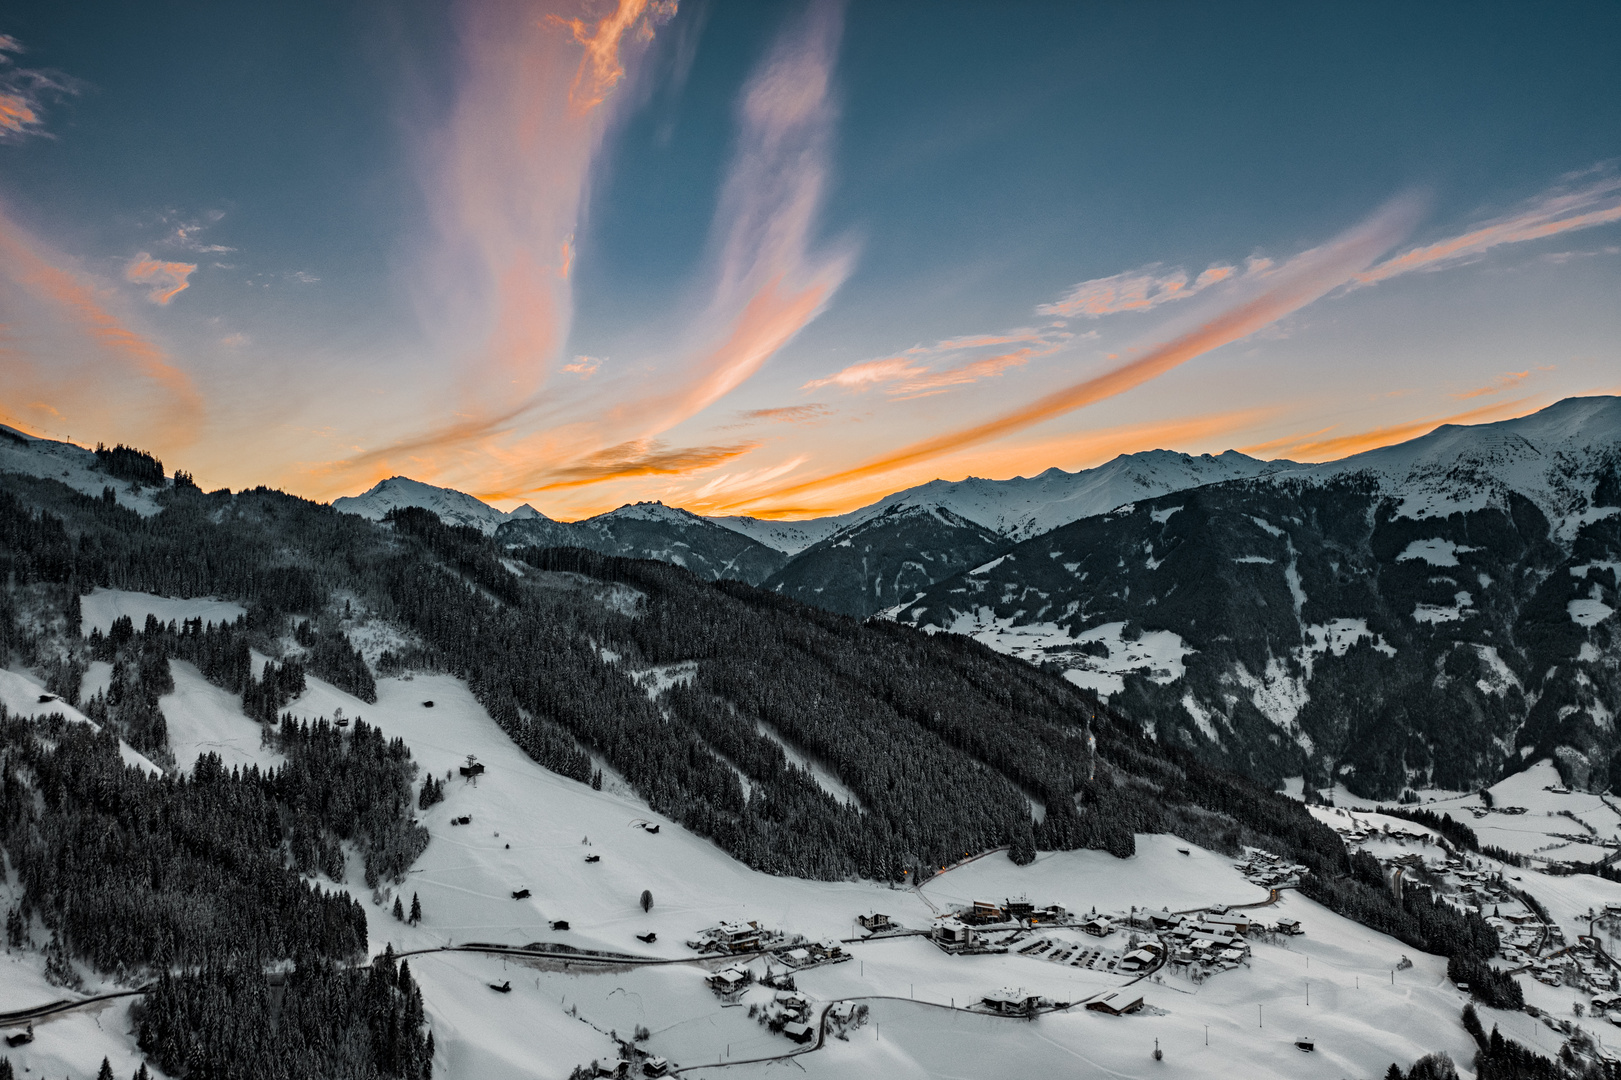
(781, 259)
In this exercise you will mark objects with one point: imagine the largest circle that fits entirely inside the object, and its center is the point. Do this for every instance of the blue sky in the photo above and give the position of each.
(783, 258)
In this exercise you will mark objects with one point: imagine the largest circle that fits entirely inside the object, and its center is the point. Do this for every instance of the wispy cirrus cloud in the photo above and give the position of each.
(1564, 209)
(770, 278)
(919, 372)
(507, 180)
(164, 280)
(25, 93)
(59, 311)
(1272, 294)
(1505, 381)
(788, 414)
(1134, 290)
(644, 457)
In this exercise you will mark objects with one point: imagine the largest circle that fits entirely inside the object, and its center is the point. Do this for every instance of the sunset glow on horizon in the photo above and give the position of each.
(783, 259)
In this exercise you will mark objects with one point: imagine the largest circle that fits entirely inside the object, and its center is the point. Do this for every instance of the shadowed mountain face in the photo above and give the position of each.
(1313, 627)
(653, 531)
(885, 560)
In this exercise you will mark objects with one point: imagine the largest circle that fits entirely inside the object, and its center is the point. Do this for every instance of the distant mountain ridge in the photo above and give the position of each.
(877, 557)
(453, 507)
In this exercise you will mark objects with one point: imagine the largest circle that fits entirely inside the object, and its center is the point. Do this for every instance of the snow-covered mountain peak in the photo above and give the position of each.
(1552, 457)
(655, 511)
(453, 507)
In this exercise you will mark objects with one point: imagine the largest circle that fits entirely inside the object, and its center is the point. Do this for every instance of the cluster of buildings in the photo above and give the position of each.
(1268, 870)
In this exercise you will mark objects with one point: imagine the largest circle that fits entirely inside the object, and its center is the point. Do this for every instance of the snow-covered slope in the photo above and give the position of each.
(453, 507)
(72, 465)
(788, 537)
(1552, 457)
(533, 829)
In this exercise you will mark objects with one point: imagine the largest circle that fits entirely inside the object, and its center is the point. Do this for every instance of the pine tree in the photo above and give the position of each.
(399, 910)
(416, 910)
(106, 1070)
(647, 899)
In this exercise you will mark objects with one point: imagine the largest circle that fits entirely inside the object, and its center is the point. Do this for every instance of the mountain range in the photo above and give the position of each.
(1428, 613)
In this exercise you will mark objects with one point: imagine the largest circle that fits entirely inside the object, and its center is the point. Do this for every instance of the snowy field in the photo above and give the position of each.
(102, 606)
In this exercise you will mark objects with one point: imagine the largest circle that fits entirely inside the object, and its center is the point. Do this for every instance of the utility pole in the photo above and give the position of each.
(1260, 1017)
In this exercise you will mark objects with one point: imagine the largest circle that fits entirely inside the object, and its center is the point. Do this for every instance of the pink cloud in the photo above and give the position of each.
(1271, 296)
(165, 280)
(1134, 290)
(24, 93)
(1550, 214)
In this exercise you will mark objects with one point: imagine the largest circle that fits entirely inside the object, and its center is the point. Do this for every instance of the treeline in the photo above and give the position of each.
(1422, 920)
(1459, 834)
(1504, 1059)
(226, 1021)
(131, 871)
(129, 704)
(128, 463)
(354, 787)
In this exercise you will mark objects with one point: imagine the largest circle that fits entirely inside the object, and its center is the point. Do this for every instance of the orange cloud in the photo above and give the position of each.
(789, 414)
(911, 376)
(1279, 292)
(16, 115)
(601, 67)
(1496, 386)
(1549, 215)
(1308, 448)
(1136, 290)
(643, 458)
(76, 308)
(1071, 450)
(167, 279)
(23, 93)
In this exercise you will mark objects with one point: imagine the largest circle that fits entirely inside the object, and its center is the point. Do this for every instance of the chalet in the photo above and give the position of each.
(1238, 924)
(952, 933)
(1019, 909)
(649, 937)
(791, 1001)
(875, 922)
(520, 894)
(559, 924)
(1115, 1004)
(1098, 926)
(1289, 926)
(984, 911)
(1137, 960)
(655, 1066)
(619, 1068)
(472, 769)
(1011, 1002)
(726, 980)
(593, 858)
(738, 937)
(797, 1032)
